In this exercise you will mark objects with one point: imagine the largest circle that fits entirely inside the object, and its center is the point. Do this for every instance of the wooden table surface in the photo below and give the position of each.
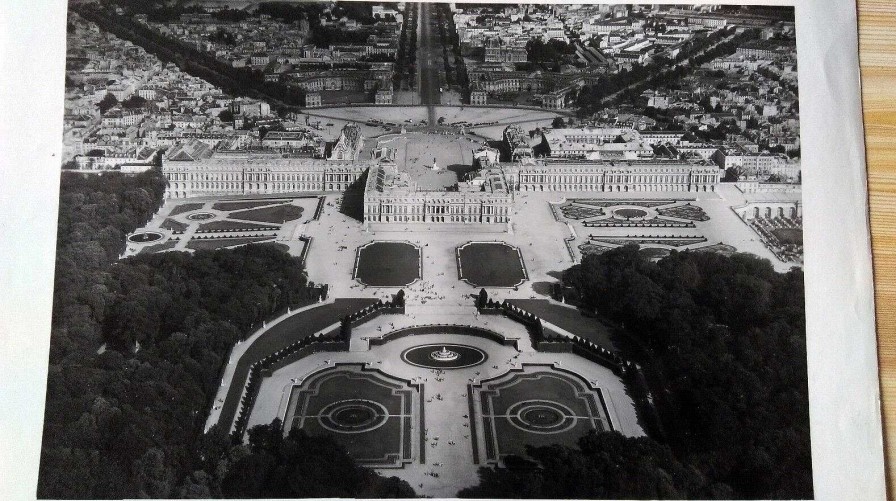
(877, 54)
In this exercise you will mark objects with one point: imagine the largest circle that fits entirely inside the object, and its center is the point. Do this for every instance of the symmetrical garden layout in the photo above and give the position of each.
(420, 392)
(433, 388)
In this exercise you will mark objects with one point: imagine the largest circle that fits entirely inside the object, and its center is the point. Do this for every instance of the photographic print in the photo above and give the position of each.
(370, 250)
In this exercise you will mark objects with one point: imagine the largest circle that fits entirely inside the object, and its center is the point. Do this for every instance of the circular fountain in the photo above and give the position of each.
(444, 355)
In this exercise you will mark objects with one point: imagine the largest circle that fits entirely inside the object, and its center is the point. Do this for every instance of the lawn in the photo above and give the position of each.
(247, 204)
(363, 412)
(276, 214)
(654, 253)
(537, 409)
(220, 243)
(175, 226)
(630, 213)
(568, 319)
(180, 209)
(491, 264)
(388, 264)
(150, 249)
(227, 225)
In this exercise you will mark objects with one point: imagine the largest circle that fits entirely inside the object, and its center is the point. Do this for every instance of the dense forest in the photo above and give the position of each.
(137, 346)
(722, 343)
(301, 466)
(605, 465)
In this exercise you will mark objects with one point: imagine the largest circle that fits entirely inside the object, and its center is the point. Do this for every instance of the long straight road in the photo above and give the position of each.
(429, 60)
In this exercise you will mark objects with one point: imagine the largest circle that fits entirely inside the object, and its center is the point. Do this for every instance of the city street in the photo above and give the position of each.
(429, 61)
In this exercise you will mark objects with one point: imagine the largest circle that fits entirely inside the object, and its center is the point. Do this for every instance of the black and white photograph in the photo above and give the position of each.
(352, 249)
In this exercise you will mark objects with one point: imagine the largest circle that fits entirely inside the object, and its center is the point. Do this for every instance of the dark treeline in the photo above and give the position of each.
(452, 60)
(406, 57)
(605, 465)
(722, 344)
(293, 12)
(301, 466)
(551, 53)
(335, 35)
(138, 345)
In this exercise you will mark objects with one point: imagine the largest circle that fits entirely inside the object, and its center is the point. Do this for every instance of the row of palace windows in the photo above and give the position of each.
(437, 219)
(610, 178)
(438, 209)
(299, 177)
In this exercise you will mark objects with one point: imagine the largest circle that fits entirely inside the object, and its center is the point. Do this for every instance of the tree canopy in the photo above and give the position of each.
(723, 343)
(302, 466)
(107, 103)
(122, 422)
(605, 465)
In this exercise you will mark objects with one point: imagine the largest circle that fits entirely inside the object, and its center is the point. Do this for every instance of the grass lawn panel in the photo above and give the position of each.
(378, 441)
(369, 446)
(248, 204)
(569, 319)
(149, 249)
(220, 243)
(654, 253)
(510, 439)
(491, 265)
(227, 225)
(276, 214)
(789, 235)
(630, 213)
(180, 209)
(176, 226)
(388, 264)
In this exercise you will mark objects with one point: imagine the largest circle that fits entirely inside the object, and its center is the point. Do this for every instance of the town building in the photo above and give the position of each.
(498, 51)
(312, 100)
(383, 96)
(291, 140)
(554, 101)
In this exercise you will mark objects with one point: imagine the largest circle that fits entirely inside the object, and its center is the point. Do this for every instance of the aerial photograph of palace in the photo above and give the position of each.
(401, 249)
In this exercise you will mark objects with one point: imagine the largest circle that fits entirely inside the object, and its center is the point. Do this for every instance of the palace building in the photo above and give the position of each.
(257, 173)
(195, 169)
(391, 197)
(617, 176)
